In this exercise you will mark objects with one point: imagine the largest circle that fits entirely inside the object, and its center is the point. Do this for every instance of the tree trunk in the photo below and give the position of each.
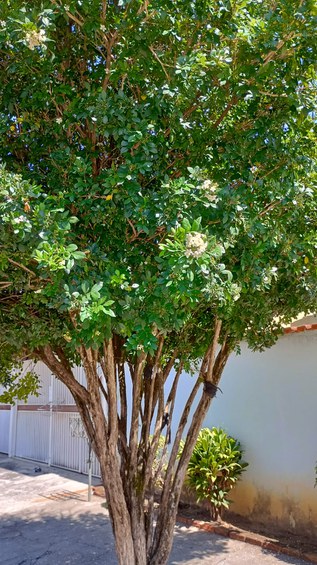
(119, 515)
(127, 456)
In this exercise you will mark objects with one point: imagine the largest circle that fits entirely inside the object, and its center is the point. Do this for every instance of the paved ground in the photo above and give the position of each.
(45, 519)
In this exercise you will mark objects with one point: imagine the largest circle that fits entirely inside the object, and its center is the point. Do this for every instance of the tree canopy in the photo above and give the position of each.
(157, 181)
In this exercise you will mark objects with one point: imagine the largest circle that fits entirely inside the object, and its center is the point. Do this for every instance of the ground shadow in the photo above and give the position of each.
(73, 537)
(190, 544)
(63, 532)
(198, 547)
(85, 538)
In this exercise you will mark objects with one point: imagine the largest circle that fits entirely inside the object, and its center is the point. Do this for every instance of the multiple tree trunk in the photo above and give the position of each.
(126, 433)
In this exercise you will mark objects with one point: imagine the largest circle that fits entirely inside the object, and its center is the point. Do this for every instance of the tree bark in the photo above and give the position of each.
(127, 453)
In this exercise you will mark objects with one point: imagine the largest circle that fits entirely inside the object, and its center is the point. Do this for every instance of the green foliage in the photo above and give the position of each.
(214, 468)
(157, 171)
(20, 386)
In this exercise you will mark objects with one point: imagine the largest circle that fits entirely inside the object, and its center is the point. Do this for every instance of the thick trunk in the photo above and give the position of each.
(126, 511)
(119, 514)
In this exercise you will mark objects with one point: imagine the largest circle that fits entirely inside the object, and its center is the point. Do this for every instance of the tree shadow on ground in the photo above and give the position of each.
(74, 539)
(195, 547)
(191, 544)
(65, 533)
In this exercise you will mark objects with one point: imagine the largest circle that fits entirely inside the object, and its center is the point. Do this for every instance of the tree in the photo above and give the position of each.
(157, 207)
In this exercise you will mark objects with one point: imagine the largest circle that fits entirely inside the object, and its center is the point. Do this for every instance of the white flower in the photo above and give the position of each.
(2, 23)
(59, 120)
(66, 8)
(35, 38)
(102, 28)
(19, 219)
(210, 189)
(196, 244)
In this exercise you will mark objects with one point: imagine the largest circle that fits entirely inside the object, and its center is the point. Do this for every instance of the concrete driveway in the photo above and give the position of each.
(45, 519)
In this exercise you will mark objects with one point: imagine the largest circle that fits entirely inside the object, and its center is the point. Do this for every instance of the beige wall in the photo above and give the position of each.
(269, 403)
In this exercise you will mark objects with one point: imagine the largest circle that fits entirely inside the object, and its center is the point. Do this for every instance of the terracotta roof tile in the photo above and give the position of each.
(296, 329)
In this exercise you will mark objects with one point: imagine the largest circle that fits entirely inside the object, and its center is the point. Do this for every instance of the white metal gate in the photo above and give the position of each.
(43, 427)
(4, 428)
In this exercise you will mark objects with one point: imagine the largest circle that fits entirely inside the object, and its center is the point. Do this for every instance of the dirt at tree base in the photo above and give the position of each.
(305, 543)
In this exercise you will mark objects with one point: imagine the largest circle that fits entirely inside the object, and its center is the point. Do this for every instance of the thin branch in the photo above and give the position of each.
(278, 166)
(143, 8)
(179, 433)
(104, 370)
(212, 351)
(168, 411)
(166, 371)
(149, 399)
(112, 393)
(104, 11)
(268, 208)
(160, 62)
(70, 15)
(272, 54)
(171, 492)
(109, 45)
(151, 452)
(123, 398)
(226, 111)
(136, 402)
(26, 269)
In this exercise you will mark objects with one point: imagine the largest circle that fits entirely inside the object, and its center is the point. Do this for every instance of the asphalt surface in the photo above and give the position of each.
(45, 519)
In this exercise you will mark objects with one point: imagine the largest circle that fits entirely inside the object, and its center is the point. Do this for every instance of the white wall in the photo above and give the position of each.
(4, 426)
(269, 403)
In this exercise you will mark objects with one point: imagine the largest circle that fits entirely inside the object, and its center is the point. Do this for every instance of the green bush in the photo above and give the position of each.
(214, 468)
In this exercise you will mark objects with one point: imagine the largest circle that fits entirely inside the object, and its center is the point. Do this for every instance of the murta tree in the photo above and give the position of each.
(157, 206)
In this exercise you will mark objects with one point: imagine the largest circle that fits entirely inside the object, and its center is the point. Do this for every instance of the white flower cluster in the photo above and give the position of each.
(59, 120)
(35, 38)
(19, 220)
(210, 189)
(196, 244)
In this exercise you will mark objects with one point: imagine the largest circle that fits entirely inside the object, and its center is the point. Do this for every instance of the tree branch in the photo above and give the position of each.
(136, 402)
(112, 394)
(156, 57)
(26, 269)
(226, 111)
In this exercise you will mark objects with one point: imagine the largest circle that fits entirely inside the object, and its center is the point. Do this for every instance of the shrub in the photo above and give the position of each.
(214, 468)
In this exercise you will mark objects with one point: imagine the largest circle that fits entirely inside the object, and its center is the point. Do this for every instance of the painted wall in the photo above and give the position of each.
(269, 403)
(4, 426)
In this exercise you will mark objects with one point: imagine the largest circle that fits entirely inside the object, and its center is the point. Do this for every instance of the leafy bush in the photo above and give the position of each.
(214, 468)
